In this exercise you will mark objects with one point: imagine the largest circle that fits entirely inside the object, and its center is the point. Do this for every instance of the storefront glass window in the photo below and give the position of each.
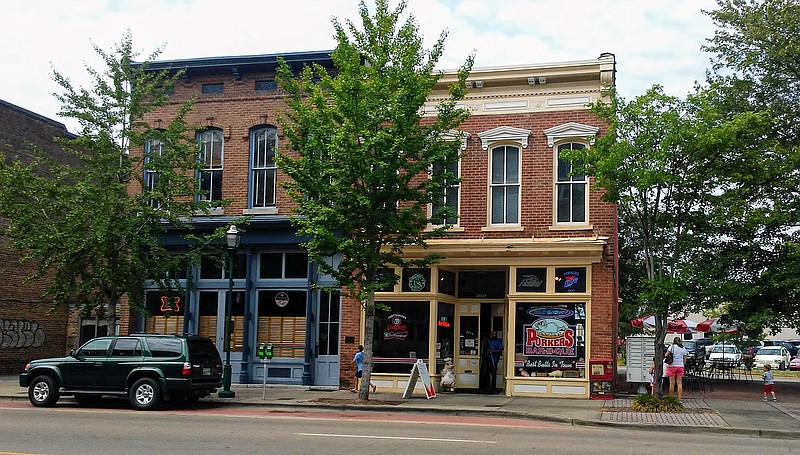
(447, 282)
(401, 336)
(417, 280)
(445, 330)
(571, 279)
(482, 285)
(282, 321)
(550, 340)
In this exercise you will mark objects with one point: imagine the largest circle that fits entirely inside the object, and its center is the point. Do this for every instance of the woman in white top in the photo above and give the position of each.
(675, 369)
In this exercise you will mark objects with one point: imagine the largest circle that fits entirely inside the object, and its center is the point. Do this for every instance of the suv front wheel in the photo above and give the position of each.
(43, 391)
(145, 394)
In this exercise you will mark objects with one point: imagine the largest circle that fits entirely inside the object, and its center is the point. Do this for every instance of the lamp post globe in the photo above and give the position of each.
(232, 239)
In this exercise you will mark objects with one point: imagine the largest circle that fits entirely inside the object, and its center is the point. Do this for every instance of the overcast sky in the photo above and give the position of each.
(655, 41)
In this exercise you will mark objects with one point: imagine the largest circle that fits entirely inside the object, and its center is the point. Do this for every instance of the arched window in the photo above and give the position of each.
(212, 144)
(263, 169)
(504, 185)
(571, 189)
(152, 177)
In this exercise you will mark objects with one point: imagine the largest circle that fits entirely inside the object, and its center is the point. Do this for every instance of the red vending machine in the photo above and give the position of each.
(601, 379)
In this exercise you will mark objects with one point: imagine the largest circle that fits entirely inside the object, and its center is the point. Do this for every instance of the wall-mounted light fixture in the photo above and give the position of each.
(478, 84)
(531, 80)
(542, 80)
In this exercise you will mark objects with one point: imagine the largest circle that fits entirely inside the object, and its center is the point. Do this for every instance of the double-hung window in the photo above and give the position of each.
(448, 197)
(152, 177)
(571, 189)
(263, 169)
(505, 185)
(211, 143)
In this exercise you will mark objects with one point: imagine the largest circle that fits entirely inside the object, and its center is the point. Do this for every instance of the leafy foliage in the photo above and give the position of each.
(83, 222)
(664, 162)
(361, 153)
(649, 403)
(753, 262)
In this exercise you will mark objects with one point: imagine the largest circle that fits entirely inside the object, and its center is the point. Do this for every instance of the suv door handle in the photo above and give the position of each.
(98, 364)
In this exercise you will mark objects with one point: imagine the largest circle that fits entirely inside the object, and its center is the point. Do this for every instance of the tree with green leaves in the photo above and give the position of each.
(756, 262)
(662, 163)
(363, 155)
(84, 223)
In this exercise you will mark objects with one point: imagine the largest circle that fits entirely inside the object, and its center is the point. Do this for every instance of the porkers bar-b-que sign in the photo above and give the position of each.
(550, 336)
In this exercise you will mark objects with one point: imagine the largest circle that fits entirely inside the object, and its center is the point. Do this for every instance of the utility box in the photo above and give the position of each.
(601, 379)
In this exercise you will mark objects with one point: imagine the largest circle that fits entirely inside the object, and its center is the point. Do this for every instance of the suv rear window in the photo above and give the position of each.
(165, 347)
(202, 349)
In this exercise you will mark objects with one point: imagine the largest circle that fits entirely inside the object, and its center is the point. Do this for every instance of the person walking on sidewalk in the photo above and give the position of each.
(675, 369)
(769, 382)
(358, 359)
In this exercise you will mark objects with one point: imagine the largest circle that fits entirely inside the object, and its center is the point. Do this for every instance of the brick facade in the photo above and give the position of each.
(28, 329)
(507, 99)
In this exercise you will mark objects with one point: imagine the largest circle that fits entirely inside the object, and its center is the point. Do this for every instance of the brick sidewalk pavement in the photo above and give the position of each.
(697, 413)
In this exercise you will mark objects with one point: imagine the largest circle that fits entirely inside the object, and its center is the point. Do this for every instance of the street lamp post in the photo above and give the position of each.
(232, 239)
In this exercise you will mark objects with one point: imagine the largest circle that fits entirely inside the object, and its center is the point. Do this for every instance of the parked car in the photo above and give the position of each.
(705, 343)
(725, 352)
(695, 354)
(791, 347)
(148, 369)
(750, 347)
(777, 357)
(794, 365)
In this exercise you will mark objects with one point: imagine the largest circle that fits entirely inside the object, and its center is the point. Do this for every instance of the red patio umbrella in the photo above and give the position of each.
(715, 325)
(673, 326)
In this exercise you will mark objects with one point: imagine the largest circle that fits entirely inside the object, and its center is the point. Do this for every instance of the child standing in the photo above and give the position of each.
(769, 383)
(358, 359)
(650, 375)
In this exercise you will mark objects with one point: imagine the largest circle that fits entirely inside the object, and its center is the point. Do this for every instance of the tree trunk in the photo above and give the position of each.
(658, 345)
(369, 334)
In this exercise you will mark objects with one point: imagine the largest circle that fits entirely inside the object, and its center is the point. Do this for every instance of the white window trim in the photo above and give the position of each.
(562, 134)
(219, 168)
(576, 132)
(452, 135)
(503, 226)
(504, 134)
(568, 225)
(267, 208)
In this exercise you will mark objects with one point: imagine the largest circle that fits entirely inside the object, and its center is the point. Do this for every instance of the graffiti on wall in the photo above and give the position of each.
(19, 333)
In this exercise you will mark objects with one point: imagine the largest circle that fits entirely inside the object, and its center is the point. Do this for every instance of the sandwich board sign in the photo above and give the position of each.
(419, 371)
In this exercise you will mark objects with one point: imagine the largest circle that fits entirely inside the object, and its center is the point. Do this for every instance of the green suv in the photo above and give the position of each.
(146, 368)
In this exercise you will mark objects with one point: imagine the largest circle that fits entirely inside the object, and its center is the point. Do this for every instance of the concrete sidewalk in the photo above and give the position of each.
(733, 407)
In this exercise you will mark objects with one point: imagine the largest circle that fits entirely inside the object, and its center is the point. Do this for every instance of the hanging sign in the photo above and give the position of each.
(170, 303)
(281, 299)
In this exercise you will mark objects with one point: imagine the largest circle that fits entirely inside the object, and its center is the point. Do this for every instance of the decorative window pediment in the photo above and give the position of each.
(504, 133)
(452, 135)
(570, 130)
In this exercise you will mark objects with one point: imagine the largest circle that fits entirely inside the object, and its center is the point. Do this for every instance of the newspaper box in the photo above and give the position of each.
(601, 379)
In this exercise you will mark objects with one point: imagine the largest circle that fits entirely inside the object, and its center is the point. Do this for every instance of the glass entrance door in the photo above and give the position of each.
(326, 370)
(468, 354)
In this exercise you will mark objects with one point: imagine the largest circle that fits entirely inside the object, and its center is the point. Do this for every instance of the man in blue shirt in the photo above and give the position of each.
(495, 349)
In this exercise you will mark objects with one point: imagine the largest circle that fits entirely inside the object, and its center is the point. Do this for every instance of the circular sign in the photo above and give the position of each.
(281, 299)
(417, 282)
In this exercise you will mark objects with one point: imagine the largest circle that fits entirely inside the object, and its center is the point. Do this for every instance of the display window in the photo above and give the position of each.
(282, 321)
(445, 333)
(401, 336)
(571, 279)
(550, 340)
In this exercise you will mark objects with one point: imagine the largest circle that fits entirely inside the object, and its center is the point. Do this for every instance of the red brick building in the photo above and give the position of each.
(28, 330)
(532, 258)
